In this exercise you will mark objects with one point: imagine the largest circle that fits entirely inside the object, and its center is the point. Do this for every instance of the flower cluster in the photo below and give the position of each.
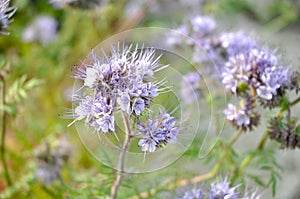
(247, 70)
(43, 29)
(257, 69)
(158, 131)
(119, 82)
(218, 190)
(208, 46)
(5, 15)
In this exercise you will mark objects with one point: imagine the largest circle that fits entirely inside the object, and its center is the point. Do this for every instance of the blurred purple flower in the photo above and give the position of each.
(43, 29)
(190, 87)
(194, 194)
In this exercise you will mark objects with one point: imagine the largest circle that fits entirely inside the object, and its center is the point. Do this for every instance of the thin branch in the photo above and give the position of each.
(119, 175)
(296, 101)
(3, 133)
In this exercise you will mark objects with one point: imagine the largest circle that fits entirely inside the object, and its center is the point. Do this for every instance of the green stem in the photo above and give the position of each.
(3, 133)
(119, 175)
(296, 101)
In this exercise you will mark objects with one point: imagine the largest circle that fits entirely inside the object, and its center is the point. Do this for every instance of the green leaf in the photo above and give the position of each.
(256, 179)
(19, 89)
(10, 109)
(284, 103)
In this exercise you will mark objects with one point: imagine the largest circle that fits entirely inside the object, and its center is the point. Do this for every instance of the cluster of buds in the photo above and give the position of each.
(285, 131)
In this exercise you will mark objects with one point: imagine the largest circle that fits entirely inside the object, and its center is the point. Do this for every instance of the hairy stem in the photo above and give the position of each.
(3, 133)
(119, 175)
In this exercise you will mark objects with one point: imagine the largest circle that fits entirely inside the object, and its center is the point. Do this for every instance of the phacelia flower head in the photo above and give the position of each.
(245, 117)
(258, 69)
(43, 29)
(158, 131)
(223, 190)
(6, 13)
(120, 81)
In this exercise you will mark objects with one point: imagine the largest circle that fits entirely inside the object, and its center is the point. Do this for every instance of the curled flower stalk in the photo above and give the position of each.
(124, 82)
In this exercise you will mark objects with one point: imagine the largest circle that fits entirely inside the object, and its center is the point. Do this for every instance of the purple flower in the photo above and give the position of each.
(101, 106)
(258, 69)
(202, 25)
(147, 144)
(219, 190)
(43, 29)
(5, 14)
(236, 43)
(240, 117)
(194, 194)
(158, 131)
(230, 112)
(243, 117)
(124, 102)
(105, 123)
(120, 81)
(223, 190)
(84, 109)
(138, 106)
